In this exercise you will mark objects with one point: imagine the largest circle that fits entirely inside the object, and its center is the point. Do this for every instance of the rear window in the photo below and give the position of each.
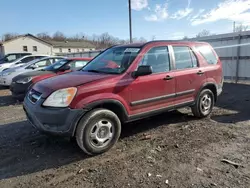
(208, 54)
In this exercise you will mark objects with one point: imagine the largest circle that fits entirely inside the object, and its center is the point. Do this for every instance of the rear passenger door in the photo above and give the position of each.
(189, 76)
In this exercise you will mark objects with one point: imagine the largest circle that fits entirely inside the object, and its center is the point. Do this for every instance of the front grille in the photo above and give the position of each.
(34, 95)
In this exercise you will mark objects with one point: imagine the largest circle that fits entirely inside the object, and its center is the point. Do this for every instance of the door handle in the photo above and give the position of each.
(200, 72)
(168, 77)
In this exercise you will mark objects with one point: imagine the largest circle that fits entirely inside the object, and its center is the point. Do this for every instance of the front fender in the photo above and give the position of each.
(99, 98)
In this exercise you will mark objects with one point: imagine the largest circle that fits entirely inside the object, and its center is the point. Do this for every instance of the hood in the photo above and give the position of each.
(73, 79)
(31, 74)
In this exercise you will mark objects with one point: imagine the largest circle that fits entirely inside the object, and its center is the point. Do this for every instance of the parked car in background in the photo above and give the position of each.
(20, 61)
(37, 64)
(12, 57)
(122, 84)
(22, 82)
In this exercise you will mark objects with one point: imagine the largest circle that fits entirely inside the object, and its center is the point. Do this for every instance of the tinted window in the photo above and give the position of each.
(184, 57)
(208, 54)
(57, 65)
(158, 59)
(26, 60)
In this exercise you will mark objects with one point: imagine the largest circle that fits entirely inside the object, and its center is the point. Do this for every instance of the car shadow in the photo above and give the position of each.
(7, 101)
(3, 87)
(24, 150)
(235, 98)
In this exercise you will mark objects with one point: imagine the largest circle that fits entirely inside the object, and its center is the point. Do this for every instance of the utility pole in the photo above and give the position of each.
(130, 22)
(234, 27)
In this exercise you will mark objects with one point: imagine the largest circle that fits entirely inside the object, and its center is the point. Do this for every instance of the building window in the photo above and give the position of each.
(25, 48)
(69, 50)
(60, 50)
(34, 48)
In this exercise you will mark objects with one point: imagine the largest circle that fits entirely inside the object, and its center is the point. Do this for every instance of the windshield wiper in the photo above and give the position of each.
(94, 71)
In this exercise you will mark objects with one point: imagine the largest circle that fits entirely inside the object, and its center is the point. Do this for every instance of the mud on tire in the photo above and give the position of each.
(98, 131)
(204, 104)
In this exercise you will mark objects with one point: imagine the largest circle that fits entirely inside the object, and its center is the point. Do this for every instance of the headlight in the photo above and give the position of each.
(24, 80)
(6, 73)
(61, 97)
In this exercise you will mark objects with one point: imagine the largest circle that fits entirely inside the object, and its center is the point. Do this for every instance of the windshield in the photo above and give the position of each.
(57, 65)
(115, 60)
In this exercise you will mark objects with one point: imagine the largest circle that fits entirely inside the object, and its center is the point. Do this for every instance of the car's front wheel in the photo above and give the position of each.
(98, 131)
(204, 104)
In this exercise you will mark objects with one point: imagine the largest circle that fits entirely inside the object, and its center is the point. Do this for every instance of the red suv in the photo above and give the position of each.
(123, 84)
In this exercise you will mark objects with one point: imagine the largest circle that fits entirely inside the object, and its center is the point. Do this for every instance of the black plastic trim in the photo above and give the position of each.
(159, 111)
(163, 97)
(154, 99)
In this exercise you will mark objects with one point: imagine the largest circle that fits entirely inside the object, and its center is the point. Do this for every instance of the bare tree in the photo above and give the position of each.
(8, 36)
(204, 33)
(241, 28)
(59, 36)
(153, 37)
(185, 38)
(44, 35)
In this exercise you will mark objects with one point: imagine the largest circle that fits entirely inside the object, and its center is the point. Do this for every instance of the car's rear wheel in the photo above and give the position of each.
(204, 104)
(98, 131)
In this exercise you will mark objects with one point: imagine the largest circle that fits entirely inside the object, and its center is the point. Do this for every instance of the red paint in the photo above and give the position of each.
(126, 89)
(45, 76)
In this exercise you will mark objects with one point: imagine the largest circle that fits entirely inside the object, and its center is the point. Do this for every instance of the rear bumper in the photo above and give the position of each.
(57, 121)
(5, 81)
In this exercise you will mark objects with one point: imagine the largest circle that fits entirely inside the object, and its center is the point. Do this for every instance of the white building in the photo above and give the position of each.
(34, 45)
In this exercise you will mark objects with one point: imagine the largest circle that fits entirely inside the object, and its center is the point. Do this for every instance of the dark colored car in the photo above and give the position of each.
(123, 84)
(22, 82)
(12, 57)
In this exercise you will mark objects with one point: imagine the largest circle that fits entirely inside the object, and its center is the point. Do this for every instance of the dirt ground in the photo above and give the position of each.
(180, 151)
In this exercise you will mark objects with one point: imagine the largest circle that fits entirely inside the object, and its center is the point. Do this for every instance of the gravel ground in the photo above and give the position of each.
(170, 150)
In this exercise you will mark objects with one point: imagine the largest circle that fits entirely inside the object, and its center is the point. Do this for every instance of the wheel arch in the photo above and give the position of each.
(211, 86)
(111, 104)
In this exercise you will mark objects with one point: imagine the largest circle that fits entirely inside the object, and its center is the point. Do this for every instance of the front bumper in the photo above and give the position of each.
(19, 90)
(58, 121)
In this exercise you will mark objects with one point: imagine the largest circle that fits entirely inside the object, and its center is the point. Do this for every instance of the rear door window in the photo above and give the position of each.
(208, 54)
(184, 57)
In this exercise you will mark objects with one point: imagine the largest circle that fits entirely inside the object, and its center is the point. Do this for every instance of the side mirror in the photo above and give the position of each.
(65, 68)
(33, 66)
(142, 71)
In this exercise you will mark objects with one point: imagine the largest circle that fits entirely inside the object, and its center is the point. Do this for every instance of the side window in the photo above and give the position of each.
(26, 60)
(11, 57)
(208, 54)
(184, 57)
(158, 58)
(44, 63)
(77, 64)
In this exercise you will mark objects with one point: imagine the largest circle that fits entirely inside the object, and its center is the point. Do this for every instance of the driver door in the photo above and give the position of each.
(157, 90)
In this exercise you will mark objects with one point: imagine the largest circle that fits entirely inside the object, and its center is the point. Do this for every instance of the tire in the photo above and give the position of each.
(96, 126)
(203, 109)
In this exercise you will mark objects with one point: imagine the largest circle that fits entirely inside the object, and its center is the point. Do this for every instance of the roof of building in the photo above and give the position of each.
(72, 44)
(64, 44)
